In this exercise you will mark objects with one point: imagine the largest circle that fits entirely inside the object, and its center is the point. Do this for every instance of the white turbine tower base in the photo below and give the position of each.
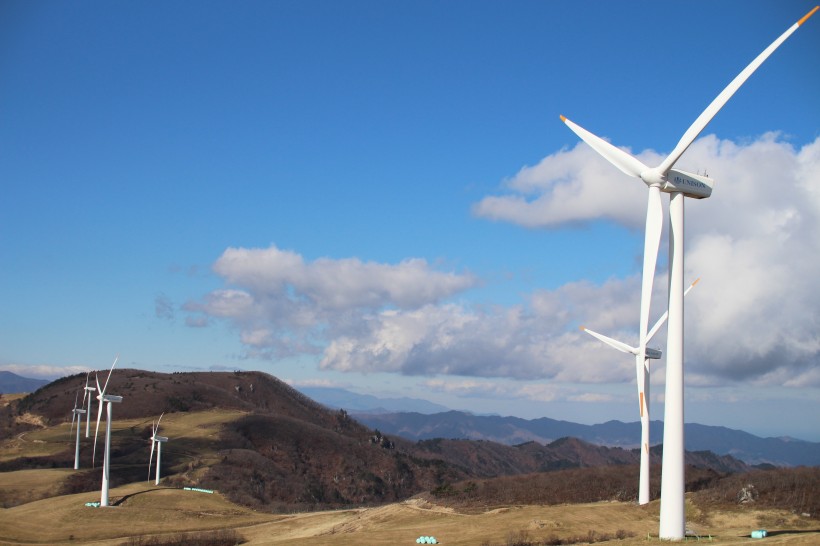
(160, 440)
(678, 184)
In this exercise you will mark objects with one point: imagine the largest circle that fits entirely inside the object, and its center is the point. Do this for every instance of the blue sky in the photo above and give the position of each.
(381, 196)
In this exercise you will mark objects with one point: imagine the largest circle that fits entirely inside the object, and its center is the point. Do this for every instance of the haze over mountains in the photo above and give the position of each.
(392, 416)
(12, 383)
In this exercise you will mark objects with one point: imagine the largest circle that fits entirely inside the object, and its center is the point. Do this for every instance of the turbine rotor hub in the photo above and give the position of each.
(652, 177)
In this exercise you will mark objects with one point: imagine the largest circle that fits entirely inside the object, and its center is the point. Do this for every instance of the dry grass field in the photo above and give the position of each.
(37, 517)
(151, 511)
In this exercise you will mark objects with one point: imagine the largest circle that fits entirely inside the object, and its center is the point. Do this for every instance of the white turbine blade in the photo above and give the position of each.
(639, 369)
(703, 120)
(99, 416)
(85, 390)
(74, 414)
(160, 419)
(105, 387)
(665, 315)
(625, 162)
(623, 347)
(151, 459)
(652, 241)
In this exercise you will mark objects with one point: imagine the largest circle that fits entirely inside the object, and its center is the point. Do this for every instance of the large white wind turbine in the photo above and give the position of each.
(642, 372)
(77, 413)
(88, 391)
(106, 399)
(678, 184)
(158, 441)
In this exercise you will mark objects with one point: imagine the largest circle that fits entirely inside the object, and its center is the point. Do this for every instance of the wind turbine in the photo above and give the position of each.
(642, 371)
(158, 441)
(77, 413)
(106, 399)
(88, 391)
(678, 184)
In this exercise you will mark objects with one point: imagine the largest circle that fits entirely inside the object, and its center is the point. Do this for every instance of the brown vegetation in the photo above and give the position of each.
(277, 450)
(221, 537)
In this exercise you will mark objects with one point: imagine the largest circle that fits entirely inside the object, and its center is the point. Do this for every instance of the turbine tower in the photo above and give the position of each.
(106, 399)
(77, 413)
(158, 441)
(88, 392)
(678, 184)
(642, 372)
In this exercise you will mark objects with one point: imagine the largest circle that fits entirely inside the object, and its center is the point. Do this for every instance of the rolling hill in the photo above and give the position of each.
(267, 446)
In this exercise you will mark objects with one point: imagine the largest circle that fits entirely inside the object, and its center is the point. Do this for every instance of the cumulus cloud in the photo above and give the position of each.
(282, 305)
(570, 186)
(755, 243)
(36, 371)
(534, 392)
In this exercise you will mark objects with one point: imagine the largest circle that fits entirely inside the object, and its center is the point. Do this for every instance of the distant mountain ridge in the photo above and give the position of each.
(513, 430)
(11, 383)
(416, 419)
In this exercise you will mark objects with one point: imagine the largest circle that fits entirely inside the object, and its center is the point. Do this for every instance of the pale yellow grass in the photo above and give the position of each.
(146, 510)
(201, 424)
(23, 486)
(51, 440)
(149, 511)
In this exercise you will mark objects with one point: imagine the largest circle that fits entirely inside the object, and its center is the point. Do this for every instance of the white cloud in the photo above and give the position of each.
(536, 341)
(43, 371)
(338, 284)
(755, 243)
(283, 305)
(519, 391)
(574, 185)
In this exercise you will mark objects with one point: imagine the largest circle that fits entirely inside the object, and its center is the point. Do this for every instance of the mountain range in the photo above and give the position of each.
(421, 420)
(512, 431)
(12, 383)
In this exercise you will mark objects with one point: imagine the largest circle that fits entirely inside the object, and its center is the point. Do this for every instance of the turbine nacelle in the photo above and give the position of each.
(655, 354)
(692, 185)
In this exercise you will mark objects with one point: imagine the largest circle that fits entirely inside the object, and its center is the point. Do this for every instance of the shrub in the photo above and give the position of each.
(221, 537)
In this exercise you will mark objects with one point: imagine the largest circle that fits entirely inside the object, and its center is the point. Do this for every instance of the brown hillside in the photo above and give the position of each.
(151, 393)
(275, 449)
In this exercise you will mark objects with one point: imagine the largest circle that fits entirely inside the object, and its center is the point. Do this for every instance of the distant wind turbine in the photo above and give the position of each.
(77, 413)
(158, 441)
(678, 184)
(88, 391)
(642, 371)
(106, 399)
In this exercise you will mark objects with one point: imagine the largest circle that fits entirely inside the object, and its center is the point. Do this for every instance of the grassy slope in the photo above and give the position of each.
(144, 509)
(147, 510)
